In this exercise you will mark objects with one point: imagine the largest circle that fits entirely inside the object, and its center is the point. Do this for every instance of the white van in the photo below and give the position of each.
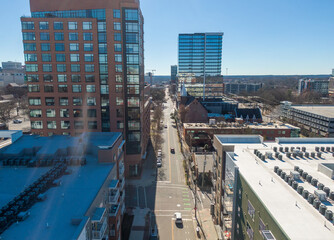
(178, 217)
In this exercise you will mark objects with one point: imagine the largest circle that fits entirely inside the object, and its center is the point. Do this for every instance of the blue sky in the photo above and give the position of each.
(260, 36)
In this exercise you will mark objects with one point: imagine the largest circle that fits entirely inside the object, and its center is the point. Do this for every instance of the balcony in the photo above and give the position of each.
(113, 210)
(121, 184)
(99, 224)
(113, 196)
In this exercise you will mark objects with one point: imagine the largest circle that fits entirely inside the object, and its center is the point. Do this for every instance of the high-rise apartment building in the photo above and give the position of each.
(200, 61)
(173, 73)
(85, 71)
(313, 85)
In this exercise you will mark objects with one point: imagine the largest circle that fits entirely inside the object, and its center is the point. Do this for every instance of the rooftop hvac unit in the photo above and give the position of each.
(320, 194)
(267, 235)
(212, 121)
(294, 175)
(269, 154)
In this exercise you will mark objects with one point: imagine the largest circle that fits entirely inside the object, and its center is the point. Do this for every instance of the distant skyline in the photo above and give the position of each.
(261, 37)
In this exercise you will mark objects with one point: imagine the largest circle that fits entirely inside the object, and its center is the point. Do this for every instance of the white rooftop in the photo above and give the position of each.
(326, 111)
(301, 221)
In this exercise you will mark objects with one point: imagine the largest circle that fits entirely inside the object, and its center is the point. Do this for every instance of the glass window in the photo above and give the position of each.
(87, 36)
(78, 125)
(48, 88)
(28, 25)
(34, 101)
(102, 37)
(46, 57)
(89, 67)
(101, 26)
(59, 36)
(132, 69)
(51, 125)
(90, 78)
(103, 69)
(132, 38)
(75, 57)
(49, 101)
(30, 57)
(104, 101)
(103, 58)
(119, 101)
(61, 68)
(44, 36)
(60, 57)
(59, 47)
(33, 88)
(44, 25)
(90, 88)
(117, 13)
(117, 37)
(35, 113)
(74, 46)
(88, 47)
(63, 101)
(133, 102)
(47, 78)
(58, 26)
(64, 113)
(76, 88)
(31, 67)
(62, 78)
(104, 89)
(132, 59)
(36, 125)
(77, 113)
(91, 101)
(75, 67)
(104, 79)
(117, 26)
(32, 78)
(72, 36)
(47, 68)
(29, 36)
(102, 48)
(133, 89)
(92, 124)
(77, 101)
(251, 210)
(72, 25)
(132, 27)
(87, 25)
(133, 125)
(131, 14)
(118, 58)
(76, 78)
(119, 78)
(65, 124)
(119, 88)
(132, 48)
(45, 46)
(62, 88)
(29, 46)
(89, 57)
(118, 68)
(91, 112)
(118, 47)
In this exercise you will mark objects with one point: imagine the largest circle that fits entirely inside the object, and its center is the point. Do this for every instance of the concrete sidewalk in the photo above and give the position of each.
(205, 219)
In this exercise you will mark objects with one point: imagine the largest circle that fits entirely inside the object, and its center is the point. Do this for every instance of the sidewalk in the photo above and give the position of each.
(208, 227)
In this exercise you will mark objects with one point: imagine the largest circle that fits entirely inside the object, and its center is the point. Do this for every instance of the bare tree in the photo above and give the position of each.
(5, 111)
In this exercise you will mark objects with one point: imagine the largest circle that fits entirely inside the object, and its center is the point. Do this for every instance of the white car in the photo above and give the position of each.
(178, 218)
(17, 121)
(159, 153)
(159, 163)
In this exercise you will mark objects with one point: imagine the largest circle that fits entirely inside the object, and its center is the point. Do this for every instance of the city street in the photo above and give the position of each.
(164, 190)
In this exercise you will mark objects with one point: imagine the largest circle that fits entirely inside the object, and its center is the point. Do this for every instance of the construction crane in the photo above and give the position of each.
(150, 74)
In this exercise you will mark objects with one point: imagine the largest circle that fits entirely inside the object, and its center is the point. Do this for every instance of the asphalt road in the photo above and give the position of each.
(164, 190)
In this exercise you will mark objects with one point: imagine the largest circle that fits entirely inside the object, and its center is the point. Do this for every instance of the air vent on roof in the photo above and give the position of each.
(267, 235)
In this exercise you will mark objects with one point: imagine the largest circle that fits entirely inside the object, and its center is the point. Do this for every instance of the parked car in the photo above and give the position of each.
(165, 125)
(178, 218)
(159, 163)
(172, 150)
(17, 121)
(159, 153)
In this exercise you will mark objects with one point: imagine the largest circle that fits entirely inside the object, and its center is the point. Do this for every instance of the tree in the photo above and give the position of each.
(182, 113)
(5, 111)
(158, 95)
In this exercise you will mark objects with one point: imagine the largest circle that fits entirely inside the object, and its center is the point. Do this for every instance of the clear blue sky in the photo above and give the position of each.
(260, 36)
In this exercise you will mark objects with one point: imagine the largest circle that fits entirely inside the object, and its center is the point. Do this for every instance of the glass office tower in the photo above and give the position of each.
(200, 60)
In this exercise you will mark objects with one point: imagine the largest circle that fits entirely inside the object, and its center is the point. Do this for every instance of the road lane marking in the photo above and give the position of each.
(170, 165)
(187, 204)
(186, 199)
(187, 209)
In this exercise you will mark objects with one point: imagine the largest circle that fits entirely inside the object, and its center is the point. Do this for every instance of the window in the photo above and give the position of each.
(75, 67)
(102, 48)
(87, 25)
(58, 26)
(262, 226)
(76, 88)
(118, 58)
(49, 101)
(75, 57)
(89, 57)
(28, 25)
(101, 26)
(62, 88)
(90, 78)
(35, 113)
(119, 88)
(133, 125)
(102, 37)
(72, 25)
(46, 57)
(120, 125)
(132, 38)
(65, 124)
(47, 68)
(60, 57)
(32, 78)
(133, 89)
(118, 47)
(89, 67)
(119, 112)
(30, 57)
(91, 113)
(50, 113)
(132, 27)
(133, 102)
(88, 47)
(87, 36)
(61, 68)
(118, 68)
(29, 46)
(92, 124)
(48, 88)
(44, 25)
(132, 69)
(117, 37)
(29, 36)
(131, 14)
(77, 113)
(51, 125)
(103, 79)
(76, 78)
(36, 125)
(59, 36)
(119, 101)
(251, 210)
(132, 59)
(77, 101)
(91, 101)
(63, 101)
(59, 47)
(103, 58)
(132, 48)
(90, 88)
(104, 89)
(64, 113)
(78, 125)
(249, 231)
(45, 46)
(119, 79)
(47, 78)
(44, 36)
(74, 46)
(34, 101)
(117, 13)
(73, 36)
(117, 26)
(33, 88)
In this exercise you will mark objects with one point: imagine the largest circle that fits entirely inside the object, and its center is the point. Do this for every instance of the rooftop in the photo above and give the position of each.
(200, 158)
(288, 207)
(326, 111)
(237, 125)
